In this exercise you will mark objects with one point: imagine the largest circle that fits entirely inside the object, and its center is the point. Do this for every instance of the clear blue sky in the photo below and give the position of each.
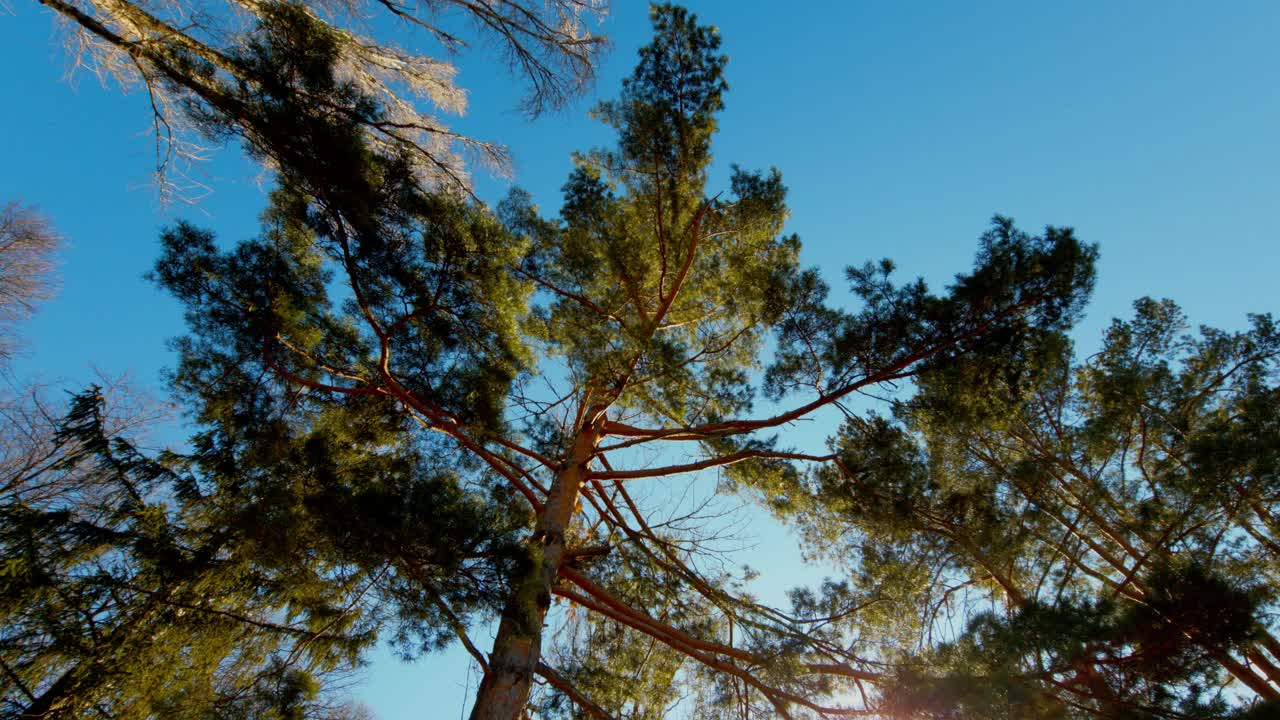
(1153, 128)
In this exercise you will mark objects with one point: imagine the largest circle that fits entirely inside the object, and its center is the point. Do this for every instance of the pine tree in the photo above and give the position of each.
(362, 372)
(187, 58)
(127, 591)
(1106, 526)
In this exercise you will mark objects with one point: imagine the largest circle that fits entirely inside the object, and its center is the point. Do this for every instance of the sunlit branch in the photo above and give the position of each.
(894, 371)
(721, 461)
(497, 463)
(623, 612)
(517, 448)
(316, 385)
(725, 602)
(575, 297)
(336, 372)
(166, 598)
(435, 417)
(620, 610)
(693, 648)
(677, 283)
(528, 476)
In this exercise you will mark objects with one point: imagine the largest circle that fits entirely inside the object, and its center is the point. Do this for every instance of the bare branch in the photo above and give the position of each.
(27, 246)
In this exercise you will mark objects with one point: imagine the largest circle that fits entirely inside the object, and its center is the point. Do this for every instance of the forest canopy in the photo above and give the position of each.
(421, 419)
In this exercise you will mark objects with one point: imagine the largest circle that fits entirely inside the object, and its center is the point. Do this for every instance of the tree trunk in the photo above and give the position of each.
(504, 693)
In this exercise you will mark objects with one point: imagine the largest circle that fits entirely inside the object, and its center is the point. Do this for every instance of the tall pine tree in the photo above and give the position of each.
(362, 374)
(1102, 530)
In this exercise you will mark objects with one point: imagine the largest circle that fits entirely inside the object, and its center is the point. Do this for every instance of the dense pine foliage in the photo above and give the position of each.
(418, 417)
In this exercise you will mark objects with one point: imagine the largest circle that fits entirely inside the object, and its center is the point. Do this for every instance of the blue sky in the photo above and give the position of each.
(900, 128)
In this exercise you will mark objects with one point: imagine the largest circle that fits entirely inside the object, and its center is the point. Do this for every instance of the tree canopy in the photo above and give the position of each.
(1101, 530)
(418, 417)
(370, 300)
(128, 591)
(190, 61)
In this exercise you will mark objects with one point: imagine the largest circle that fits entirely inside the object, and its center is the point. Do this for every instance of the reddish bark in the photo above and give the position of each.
(517, 649)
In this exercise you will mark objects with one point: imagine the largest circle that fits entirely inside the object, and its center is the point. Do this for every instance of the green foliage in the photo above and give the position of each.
(989, 324)
(368, 461)
(666, 116)
(1118, 511)
(1188, 608)
(652, 288)
(360, 214)
(130, 594)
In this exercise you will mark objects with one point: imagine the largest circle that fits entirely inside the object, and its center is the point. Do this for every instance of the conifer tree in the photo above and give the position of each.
(362, 372)
(128, 591)
(1105, 528)
(187, 58)
(374, 459)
